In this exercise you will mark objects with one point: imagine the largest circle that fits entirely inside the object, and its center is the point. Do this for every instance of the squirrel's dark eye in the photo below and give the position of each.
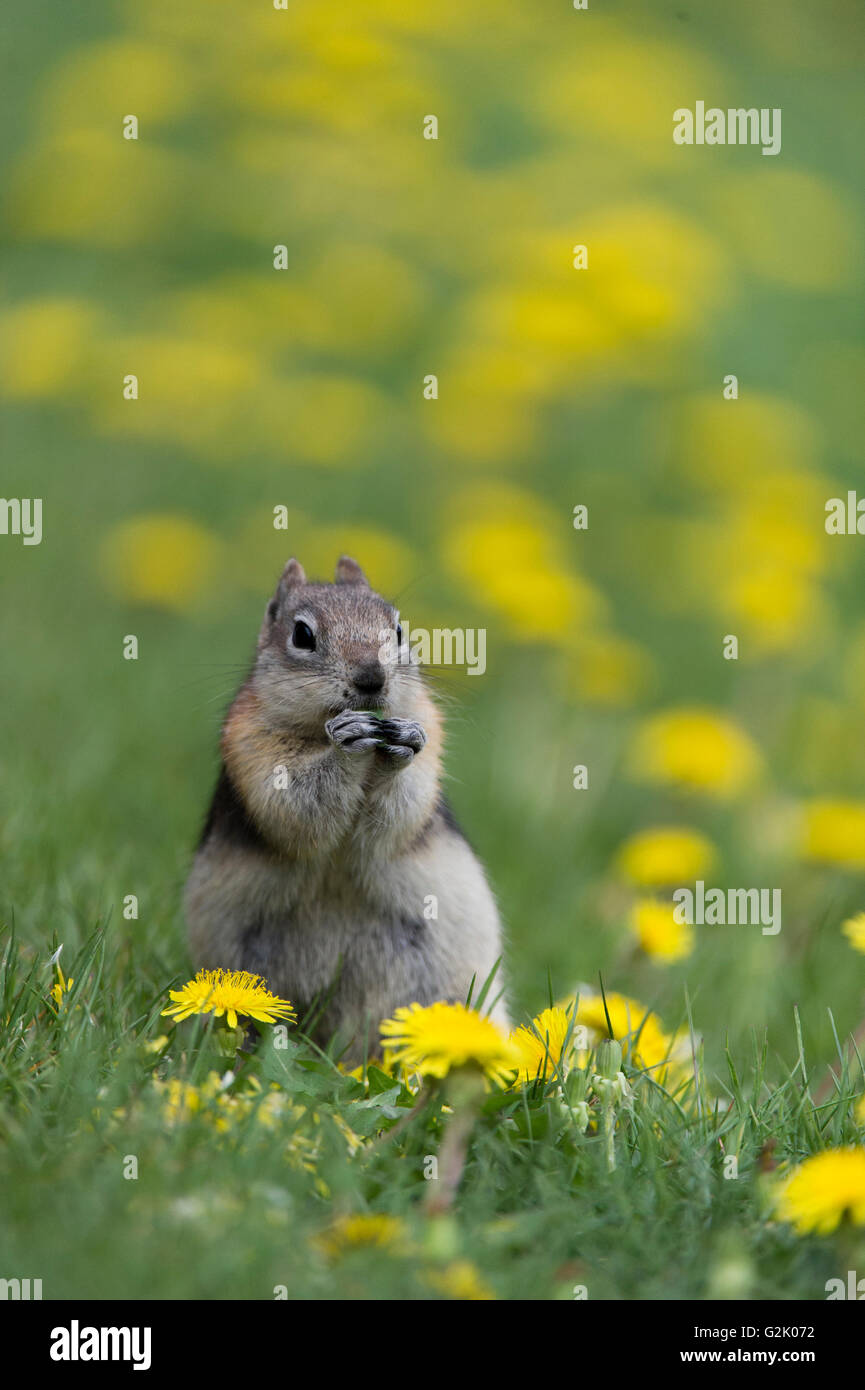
(399, 634)
(303, 637)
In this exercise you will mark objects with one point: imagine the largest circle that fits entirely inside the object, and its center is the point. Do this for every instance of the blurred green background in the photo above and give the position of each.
(557, 387)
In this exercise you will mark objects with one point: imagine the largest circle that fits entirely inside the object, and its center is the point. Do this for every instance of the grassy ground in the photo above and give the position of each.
(121, 1185)
(303, 389)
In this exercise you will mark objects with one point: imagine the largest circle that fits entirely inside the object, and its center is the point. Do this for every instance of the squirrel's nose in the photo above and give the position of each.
(369, 678)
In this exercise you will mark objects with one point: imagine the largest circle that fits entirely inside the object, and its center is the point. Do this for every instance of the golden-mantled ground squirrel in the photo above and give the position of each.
(330, 862)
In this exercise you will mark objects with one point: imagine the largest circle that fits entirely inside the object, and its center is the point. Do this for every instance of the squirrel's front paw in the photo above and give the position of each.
(354, 731)
(395, 740)
(399, 740)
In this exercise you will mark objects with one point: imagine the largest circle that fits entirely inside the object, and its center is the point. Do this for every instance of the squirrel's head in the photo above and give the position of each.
(324, 648)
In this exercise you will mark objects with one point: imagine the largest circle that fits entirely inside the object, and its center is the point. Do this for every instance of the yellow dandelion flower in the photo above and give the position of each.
(436, 1039)
(658, 932)
(461, 1281)
(665, 855)
(651, 1046)
(824, 1189)
(694, 748)
(230, 993)
(542, 1046)
(834, 832)
(362, 1230)
(854, 930)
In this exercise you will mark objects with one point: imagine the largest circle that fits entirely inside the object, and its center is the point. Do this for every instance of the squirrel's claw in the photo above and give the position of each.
(354, 731)
(397, 740)
(404, 733)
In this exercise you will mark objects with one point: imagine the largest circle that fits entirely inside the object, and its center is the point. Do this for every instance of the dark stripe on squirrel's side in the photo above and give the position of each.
(229, 818)
(445, 810)
(259, 942)
(442, 817)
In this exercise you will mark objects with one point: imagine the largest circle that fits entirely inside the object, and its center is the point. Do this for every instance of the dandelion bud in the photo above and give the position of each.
(608, 1058)
(580, 1112)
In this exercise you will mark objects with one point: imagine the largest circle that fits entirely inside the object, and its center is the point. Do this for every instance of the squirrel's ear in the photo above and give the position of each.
(348, 571)
(292, 574)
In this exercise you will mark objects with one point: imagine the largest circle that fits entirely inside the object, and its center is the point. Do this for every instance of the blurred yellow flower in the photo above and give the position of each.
(94, 187)
(648, 74)
(822, 1190)
(183, 1100)
(658, 273)
(362, 1230)
(546, 320)
(780, 534)
(206, 395)
(796, 229)
(540, 604)
(365, 299)
(322, 418)
(665, 855)
(696, 748)
(509, 555)
(755, 563)
(605, 670)
(542, 1046)
(854, 930)
(653, 277)
(43, 343)
(487, 409)
(658, 932)
(460, 1280)
(714, 442)
(240, 310)
(777, 608)
(834, 832)
(124, 76)
(159, 559)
